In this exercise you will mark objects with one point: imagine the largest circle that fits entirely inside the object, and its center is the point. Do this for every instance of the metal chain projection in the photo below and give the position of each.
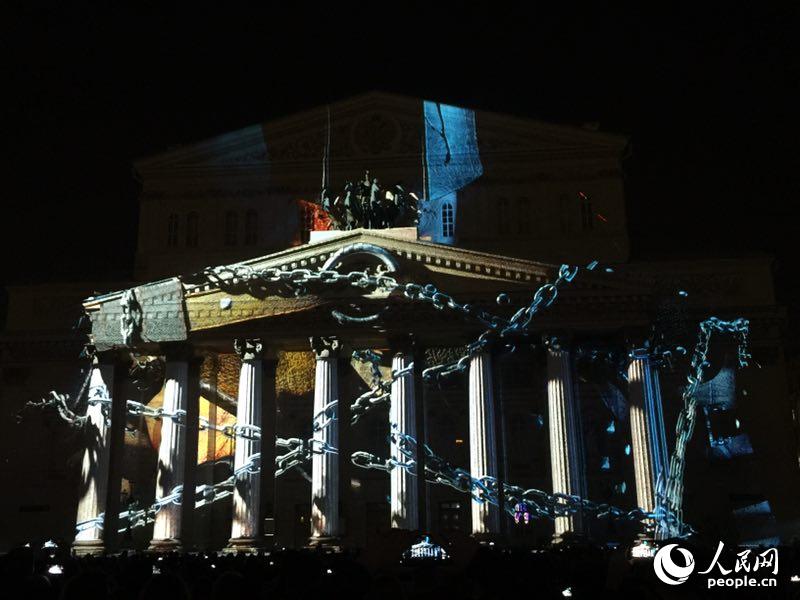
(673, 493)
(540, 504)
(499, 331)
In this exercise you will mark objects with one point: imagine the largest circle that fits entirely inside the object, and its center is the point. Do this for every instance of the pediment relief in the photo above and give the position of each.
(369, 125)
(241, 148)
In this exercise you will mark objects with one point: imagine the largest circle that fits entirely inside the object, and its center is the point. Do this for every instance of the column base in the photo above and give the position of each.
(166, 545)
(643, 548)
(648, 535)
(87, 547)
(326, 543)
(244, 546)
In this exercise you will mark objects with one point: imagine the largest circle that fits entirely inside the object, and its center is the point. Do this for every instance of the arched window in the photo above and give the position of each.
(231, 228)
(191, 230)
(448, 220)
(172, 231)
(587, 216)
(251, 228)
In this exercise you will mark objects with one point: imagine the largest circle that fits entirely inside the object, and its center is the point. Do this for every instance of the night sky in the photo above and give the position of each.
(710, 102)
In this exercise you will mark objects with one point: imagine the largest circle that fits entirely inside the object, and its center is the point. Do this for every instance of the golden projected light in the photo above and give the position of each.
(211, 445)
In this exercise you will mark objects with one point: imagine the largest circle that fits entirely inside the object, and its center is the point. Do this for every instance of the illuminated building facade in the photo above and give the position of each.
(507, 200)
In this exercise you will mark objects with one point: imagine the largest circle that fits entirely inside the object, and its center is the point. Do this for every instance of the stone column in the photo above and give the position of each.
(325, 525)
(423, 493)
(403, 419)
(190, 535)
(172, 452)
(482, 441)
(268, 452)
(91, 536)
(648, 439)
(566, 438)
(245, 527)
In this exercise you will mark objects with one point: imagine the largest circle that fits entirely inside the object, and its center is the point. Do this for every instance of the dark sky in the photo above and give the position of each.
(710, 102)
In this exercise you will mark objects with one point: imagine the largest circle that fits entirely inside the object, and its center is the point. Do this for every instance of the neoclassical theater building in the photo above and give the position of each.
(244, 324)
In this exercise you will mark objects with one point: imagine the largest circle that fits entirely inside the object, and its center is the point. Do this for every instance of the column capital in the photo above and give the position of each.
(325, 347)
(248, 349)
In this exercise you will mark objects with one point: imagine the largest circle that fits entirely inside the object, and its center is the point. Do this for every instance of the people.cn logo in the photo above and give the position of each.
(666, 569)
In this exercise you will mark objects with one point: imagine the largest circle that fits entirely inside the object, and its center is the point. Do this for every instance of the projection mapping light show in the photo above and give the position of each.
(404, 342)
(451, 161)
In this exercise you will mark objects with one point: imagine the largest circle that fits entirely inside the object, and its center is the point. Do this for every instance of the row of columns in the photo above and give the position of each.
(178, 448)
(567, 454)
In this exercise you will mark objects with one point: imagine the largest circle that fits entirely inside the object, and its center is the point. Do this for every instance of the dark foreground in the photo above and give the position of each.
(575, 572)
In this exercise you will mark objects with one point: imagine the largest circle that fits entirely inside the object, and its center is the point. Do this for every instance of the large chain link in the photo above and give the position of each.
(379, 394)
(541, 504)
(240, 275)
(204, 494)
(673, 489)
(501, 329)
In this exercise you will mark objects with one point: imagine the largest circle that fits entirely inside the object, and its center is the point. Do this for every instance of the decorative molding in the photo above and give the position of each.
(374, 124)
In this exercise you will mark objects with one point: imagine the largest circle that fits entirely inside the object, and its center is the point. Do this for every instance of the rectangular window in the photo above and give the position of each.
(503, 209)
(172, 231)
(448, 220)
(191, 230)
(231, 228)
(565, 213)
(251, 228)
(523, 215)
(587, 215)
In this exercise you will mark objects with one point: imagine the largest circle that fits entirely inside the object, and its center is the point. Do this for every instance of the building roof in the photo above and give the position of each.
(281, 139)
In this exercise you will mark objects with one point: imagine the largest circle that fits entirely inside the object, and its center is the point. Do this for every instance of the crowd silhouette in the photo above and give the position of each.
(576, 571)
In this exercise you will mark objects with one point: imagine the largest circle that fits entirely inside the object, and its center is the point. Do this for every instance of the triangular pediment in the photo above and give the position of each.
(432, 258)
(371, 125)
(437, 258)
(174, 308)
(241, 148)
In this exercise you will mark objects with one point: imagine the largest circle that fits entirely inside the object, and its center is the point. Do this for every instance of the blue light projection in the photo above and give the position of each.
(727, 441)
(615, 402)
(717, 398)
(757, 525)
(452, 161)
